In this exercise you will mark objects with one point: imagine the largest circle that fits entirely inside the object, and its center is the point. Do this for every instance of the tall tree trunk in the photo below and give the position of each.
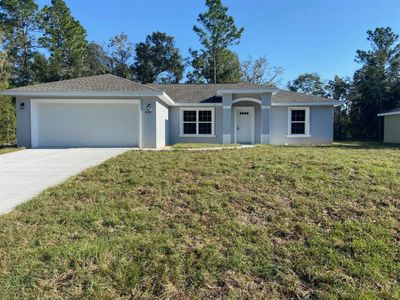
(215, 66)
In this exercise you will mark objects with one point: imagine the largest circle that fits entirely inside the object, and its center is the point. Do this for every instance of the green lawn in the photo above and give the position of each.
(266, 222)
(8, 149)
(180, 146)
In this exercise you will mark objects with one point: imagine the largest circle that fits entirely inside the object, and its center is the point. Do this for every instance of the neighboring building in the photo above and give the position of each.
(109, 111)
(392, 125)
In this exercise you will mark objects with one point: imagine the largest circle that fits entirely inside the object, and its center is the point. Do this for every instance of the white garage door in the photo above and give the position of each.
(85, 123)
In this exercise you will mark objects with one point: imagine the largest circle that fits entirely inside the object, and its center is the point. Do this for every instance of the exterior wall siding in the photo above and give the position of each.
(392, 129)
(23, 122)
(162, 126)
(174, 121)
(321, 126)
(162, 131)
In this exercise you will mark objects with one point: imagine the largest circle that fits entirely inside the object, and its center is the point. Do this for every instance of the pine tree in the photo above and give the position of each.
(376, 84)
(217, 32)
(7, 106)
(19, 23)
(65, 39)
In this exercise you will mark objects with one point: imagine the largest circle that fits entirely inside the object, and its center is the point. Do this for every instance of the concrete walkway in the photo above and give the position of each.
(24, 174)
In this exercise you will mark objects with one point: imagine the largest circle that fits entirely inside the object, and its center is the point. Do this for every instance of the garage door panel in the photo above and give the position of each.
(87, 125)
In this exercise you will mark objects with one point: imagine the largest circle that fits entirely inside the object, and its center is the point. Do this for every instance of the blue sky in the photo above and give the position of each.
(301, 36)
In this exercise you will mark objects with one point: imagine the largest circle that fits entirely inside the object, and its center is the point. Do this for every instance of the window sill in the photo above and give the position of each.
(301, 136)
(197, 135)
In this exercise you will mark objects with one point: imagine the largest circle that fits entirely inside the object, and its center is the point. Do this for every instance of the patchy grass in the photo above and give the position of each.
(9, 149)
(266, 222)
(180, 146)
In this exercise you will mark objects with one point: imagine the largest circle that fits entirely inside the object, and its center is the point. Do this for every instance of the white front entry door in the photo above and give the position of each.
(244, 125)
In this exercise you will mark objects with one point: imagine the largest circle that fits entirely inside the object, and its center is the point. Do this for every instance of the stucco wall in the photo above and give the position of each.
(321, 126)
(23, 122)
(174, 117)
(162, 124)
(392, 129)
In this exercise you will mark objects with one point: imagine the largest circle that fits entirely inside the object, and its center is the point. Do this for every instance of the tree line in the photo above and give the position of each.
(374, 87)
(49, 44)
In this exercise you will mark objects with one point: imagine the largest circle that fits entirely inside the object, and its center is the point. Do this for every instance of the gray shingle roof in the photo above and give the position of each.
(179, 93)
(288, 96)
(207, 93)
(99, 83)
(395, 110)
(200, 93)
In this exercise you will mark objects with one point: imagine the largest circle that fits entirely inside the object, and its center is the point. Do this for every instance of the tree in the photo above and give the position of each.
(65, 39)
(376, 83)
(259, 71)
(308, 83)
(98, 60)
(339, 89)
(216, 33)
(41, 68)
(157, 59)
(228, 70)
(19, 21)
(121, 55)
(7, 106)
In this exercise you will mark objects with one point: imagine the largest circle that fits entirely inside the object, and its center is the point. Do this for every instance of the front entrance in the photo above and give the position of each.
(244, 125)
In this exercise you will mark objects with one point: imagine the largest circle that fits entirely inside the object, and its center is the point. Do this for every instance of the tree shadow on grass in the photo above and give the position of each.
(362, 145)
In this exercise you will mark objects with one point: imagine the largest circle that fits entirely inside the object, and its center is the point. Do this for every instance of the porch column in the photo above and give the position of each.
(227, 119)
(266, 117)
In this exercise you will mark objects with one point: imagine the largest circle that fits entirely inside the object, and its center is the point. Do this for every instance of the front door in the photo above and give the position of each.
(245, 125)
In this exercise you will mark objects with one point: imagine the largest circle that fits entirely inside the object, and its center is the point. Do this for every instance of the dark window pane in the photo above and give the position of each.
(298, 128)
(204, 128)
(189, 116)
(298, 115)
(205, 115)
(189, 128)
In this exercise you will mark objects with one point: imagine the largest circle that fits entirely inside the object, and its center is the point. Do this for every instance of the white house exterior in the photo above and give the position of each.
(392, 126)
(109, 111)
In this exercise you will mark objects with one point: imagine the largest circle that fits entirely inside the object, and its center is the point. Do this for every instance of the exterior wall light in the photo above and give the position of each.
(148, 109)
(22, 106)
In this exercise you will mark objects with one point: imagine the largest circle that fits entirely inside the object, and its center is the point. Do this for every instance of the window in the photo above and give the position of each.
(197, 121)
(299, 122)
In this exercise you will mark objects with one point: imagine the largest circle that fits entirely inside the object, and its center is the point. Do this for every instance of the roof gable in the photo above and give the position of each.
(98, 83)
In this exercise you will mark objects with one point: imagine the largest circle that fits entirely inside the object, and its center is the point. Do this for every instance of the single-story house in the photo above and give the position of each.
(392, 126)
(109, 111)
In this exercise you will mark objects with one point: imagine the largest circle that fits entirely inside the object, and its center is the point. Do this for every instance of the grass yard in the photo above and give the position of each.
(8, 150)
(182, 146)
(266, 222)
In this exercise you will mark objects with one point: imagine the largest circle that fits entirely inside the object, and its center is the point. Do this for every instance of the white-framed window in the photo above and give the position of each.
(299, 122)
(197, 121)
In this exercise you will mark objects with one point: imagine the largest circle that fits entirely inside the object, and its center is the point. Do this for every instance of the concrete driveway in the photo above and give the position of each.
(24, 174)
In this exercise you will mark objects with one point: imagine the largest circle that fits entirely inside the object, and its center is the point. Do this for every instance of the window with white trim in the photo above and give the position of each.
(299, 121)
(197, 121)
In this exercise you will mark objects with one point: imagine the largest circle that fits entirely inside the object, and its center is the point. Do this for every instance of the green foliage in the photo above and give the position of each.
(18, 23)
(7, 106)
(121, 55)
(339, 89)
(157, 59)
(98, 60)
(216, 33)
(7, 121)
(65, 39)
(262, 223)
(308, 83)
(228, 68)
(376, 84)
